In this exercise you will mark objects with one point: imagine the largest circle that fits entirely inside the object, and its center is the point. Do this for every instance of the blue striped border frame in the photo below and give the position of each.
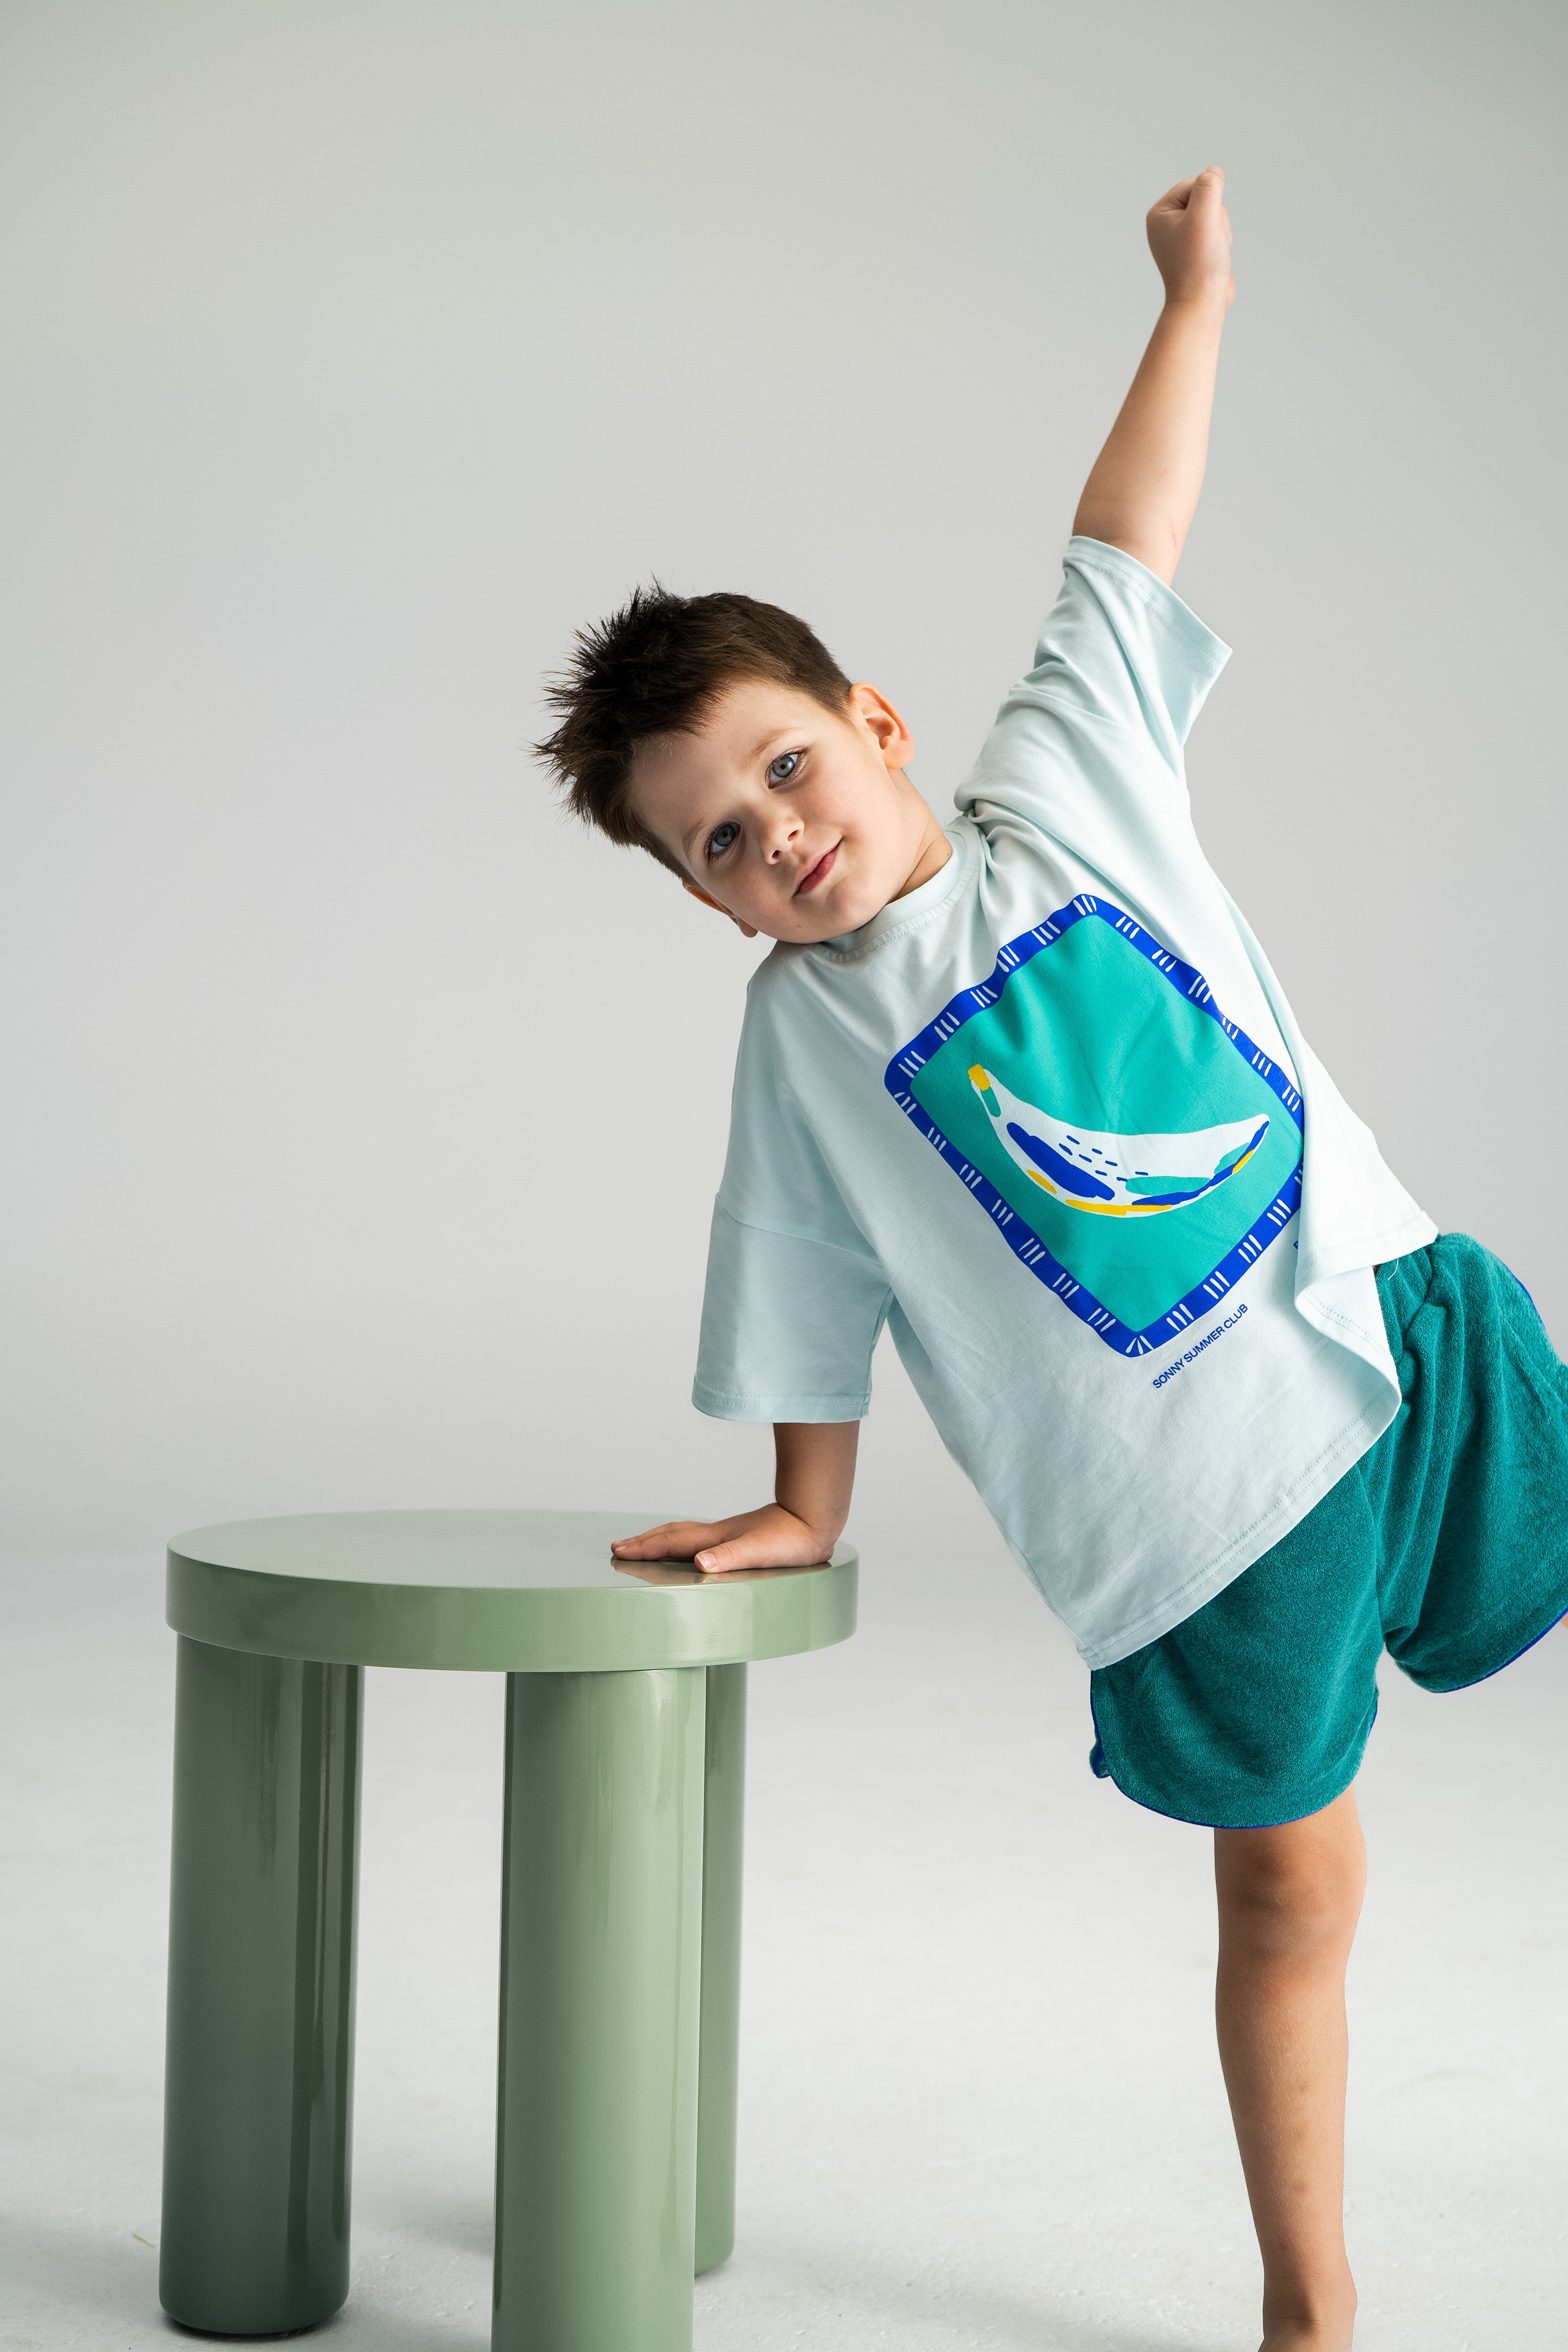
(1027, 1245)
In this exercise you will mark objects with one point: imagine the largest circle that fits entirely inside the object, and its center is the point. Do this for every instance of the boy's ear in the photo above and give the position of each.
(747, 931)
(884, 724)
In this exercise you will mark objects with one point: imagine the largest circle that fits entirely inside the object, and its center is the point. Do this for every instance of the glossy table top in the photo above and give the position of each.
(525, 1591)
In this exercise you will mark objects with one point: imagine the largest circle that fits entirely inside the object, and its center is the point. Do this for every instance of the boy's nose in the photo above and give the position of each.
(781, 835)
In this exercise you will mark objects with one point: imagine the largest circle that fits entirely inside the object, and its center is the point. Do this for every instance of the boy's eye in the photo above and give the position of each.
(722, 837)
(781, 769)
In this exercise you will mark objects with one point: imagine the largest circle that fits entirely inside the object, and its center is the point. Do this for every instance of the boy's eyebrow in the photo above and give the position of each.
(694, 833)
(785, 726)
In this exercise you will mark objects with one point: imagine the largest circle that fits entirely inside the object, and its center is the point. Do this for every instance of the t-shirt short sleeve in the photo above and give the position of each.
(1121, 671)
(795, 1298)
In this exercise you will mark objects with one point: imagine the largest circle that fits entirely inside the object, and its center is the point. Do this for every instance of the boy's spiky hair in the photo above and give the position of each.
(655, 668)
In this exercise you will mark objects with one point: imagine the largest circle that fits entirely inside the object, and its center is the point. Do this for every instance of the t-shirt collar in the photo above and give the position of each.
(898, 914)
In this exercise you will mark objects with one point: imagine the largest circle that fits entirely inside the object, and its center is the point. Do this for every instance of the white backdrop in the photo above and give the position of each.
(361, 1118)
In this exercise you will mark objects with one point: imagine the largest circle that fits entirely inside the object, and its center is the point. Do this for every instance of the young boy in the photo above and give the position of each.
(1026, 1089)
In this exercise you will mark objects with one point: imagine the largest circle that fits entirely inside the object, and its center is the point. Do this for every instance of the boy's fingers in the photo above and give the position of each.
(775, 1543)
(759, 1547)
(1174, 200)
(676, 1539)
(741, 1551)
(1185, 193)
(633, 1547)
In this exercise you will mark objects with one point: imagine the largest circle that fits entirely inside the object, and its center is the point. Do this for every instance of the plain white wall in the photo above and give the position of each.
(362, 1120)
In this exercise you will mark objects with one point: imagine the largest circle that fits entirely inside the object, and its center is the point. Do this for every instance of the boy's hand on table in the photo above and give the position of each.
(815, 1478)
(770, 1538)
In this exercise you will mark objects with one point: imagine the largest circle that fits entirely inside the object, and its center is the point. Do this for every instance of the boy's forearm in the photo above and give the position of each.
(814, 1474)
(1144, 490)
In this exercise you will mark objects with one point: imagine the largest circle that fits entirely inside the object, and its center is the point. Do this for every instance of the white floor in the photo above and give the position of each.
(981, 2105)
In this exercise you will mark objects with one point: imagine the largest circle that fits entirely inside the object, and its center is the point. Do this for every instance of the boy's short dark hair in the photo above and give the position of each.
(654, 668)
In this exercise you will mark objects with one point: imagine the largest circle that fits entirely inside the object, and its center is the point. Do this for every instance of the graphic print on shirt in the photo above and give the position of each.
(1133, 1147)
(1101, 1172)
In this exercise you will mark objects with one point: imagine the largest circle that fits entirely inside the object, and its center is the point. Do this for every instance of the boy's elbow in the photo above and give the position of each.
(1151, 540)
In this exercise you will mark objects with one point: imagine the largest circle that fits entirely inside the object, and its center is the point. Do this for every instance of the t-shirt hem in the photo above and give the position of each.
(1299, 1498)
(729, 1405)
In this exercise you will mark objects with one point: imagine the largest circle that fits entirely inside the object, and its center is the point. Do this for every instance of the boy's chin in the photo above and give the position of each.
(835, 918)
(824, 926)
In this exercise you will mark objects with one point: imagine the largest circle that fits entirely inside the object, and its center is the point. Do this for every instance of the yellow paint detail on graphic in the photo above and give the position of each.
(1093, 1208)
(1115, 1208)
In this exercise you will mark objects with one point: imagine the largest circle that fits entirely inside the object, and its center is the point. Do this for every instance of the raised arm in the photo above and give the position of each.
(1144, 490)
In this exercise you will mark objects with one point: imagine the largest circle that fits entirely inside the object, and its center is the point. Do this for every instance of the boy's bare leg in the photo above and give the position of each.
(1288, 1901)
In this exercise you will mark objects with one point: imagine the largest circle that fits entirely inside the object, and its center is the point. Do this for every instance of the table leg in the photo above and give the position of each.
(261, 1988)
(601, 1952)
(724, 1817)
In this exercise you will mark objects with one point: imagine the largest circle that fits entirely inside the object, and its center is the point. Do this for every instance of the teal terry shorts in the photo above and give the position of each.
(1447, 1545)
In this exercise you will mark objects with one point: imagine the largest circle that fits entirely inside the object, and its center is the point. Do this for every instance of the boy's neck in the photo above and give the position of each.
(935, 849)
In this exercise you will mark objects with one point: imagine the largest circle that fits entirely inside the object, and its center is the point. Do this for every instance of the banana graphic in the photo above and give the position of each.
(1115, 1175)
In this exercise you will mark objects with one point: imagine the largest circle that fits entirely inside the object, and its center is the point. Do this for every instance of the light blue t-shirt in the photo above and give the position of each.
(1050, 1119)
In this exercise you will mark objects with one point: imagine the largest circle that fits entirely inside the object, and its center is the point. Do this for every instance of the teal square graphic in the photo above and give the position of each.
(1134, 1148)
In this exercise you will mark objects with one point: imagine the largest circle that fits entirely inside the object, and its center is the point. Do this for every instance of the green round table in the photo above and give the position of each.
(620, 1906)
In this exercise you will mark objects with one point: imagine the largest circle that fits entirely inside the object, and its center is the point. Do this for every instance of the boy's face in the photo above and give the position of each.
(793, 820)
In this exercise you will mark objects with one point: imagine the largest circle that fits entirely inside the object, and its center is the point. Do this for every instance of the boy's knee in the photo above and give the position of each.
(1293, 1893)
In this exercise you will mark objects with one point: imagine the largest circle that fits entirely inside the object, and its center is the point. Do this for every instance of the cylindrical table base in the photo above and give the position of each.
(601, 1940)
(261, 1982)
(723, 1837)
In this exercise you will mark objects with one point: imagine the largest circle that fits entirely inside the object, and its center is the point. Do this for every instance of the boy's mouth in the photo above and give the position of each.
(817, 873)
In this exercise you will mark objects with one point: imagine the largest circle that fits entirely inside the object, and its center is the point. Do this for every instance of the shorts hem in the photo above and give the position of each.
(1334, 1785)
(1441, 1686)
